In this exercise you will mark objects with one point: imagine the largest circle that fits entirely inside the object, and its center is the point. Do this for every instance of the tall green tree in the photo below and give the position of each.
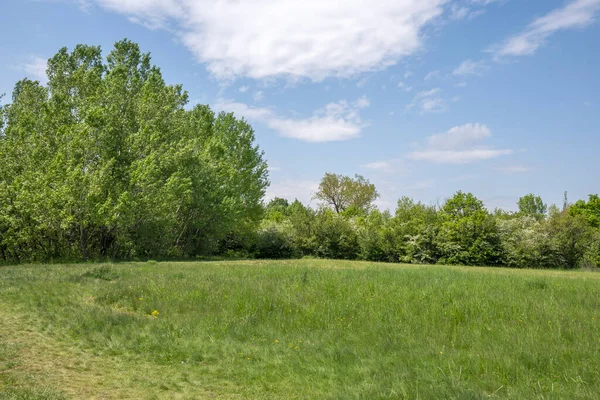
(590, 209)
(469, 233)
(344, 193)
(532, 206)
(108, 161)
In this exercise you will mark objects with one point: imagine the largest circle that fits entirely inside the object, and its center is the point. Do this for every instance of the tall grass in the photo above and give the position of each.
(327, 329)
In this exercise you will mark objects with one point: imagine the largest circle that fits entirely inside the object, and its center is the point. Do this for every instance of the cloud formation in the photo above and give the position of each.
(291, 189)
(428, 101)
(470, 67)
(459, 145)
(311, 39)
(576, 14)
(394, 165)
(335, 122)
(35, 69)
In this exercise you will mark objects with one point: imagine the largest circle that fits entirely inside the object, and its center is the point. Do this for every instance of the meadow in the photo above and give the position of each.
(302, 329)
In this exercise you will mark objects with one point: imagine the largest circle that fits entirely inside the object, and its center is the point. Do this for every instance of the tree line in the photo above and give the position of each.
(460, 231)
(107, 161)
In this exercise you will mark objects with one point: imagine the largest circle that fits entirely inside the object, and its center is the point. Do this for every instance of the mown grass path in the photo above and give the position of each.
(297, 329)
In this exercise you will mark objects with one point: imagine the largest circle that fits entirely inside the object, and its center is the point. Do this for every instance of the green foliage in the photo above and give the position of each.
(106, 161)
(344, 193)
(533, 206)
(468, 234)
(274, 241)
(590, 210)
(569, 239)
(335, 236)
(460, 232)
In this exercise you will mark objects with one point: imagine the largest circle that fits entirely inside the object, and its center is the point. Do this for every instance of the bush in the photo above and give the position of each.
(274, 241)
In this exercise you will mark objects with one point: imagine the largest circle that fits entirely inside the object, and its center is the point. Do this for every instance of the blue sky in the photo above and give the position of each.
(422, 97)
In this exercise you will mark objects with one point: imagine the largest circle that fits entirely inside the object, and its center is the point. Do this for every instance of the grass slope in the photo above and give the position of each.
(297, 329)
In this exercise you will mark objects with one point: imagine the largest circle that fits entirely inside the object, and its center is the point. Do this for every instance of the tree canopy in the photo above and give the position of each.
(343, 193)
(532, 206)
(107, 160)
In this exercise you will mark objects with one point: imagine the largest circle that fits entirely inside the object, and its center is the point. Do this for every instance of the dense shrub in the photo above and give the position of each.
(274, 241)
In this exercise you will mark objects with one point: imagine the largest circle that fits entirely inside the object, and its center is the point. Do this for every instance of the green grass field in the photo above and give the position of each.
(311, 329)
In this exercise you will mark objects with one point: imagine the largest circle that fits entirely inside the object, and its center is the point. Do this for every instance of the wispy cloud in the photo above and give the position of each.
(335, 122)
(311, 39)
(258, 96)
(470, 67)
(428, 101)
(432, 75)
(35, 68)
(469, 9)
(576, 14)
(404, 87)
(459, 145)
(393, 165)
(514, 169)
(291, 189)
(420, 185)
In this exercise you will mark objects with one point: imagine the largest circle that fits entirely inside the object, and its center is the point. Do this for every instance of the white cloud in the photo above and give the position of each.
(335, 122)
(576, 14)
(378, 165)
(362, 102)
(393, 165)
(243, 89)
(311, 39)
(35, 69)
(292, 189)
(258, 96)
(428, 101)
(469, 9)
(421, 185)
(459, 145)
(459, 136)
(404, 86)
(470, 67)
(432, 75)
(458, 156)
(463, 178)
(458, 11)
(514, 169)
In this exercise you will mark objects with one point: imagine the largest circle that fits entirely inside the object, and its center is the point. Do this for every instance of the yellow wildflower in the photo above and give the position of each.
(154, 313)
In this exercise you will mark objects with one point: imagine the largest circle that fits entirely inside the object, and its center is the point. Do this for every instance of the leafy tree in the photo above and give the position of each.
(533, 206)
(344, 193)
(372, 236)
(413, 231)
(335, 236)
(106, 161)
(590, 210)
(469, 234)
(569, 239)
(462, 205)
(524, 242)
